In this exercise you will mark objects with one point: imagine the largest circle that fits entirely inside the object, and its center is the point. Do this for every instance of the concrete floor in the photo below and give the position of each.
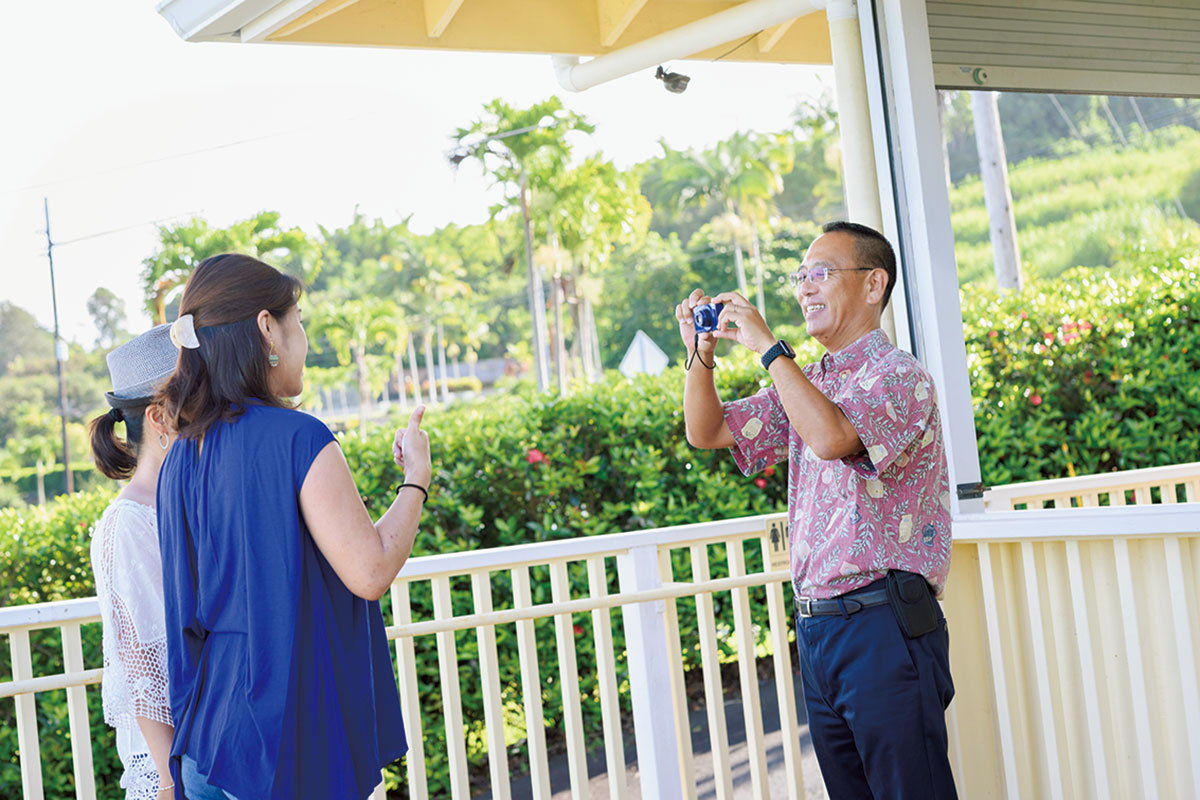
(598, 788)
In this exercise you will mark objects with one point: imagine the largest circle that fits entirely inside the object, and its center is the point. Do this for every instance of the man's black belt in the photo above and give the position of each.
(852, 601)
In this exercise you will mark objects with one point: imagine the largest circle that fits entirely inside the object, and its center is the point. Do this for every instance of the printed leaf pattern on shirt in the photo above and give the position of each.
(885, 508)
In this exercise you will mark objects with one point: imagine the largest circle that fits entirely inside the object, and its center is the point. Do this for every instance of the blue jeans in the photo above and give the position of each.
(876, 704)
(196, 786)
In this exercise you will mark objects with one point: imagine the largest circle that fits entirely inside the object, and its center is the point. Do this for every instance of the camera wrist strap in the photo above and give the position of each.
(696, 355)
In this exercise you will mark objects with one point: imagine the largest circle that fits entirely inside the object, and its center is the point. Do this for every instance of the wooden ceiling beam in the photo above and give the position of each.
(771, 36)
(614, 17)
(438, 14)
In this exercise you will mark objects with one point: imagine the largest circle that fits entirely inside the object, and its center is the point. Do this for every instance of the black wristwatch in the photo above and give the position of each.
(780, 348)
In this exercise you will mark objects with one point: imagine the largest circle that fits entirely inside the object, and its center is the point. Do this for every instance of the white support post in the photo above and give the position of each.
(909, 112)
(854, 125)
(650, 676)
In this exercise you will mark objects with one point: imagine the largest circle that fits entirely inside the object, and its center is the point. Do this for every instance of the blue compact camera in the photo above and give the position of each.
(706, 316)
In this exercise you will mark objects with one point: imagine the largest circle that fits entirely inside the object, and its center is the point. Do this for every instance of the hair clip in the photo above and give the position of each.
(183, 332)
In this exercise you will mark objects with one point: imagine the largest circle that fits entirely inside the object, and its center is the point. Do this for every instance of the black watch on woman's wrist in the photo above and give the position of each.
(780, 348)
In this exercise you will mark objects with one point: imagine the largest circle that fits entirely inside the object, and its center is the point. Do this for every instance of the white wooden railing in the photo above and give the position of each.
(646, 598)
(1131, 487)
(1074, 638)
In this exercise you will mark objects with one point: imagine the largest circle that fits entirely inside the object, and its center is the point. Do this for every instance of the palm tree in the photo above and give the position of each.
(351, 327)
(740, 178)
(594, 207)
(183, 246)
(511, 145)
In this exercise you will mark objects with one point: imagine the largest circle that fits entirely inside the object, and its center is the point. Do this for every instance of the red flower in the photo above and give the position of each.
(578, 629)
(1049, 336)
(1085, 326)
(993, 334)
(535, 456)
(1068, 326)
(760, 483)
(1036, 399)
(769, 471)
(1023, 315)
(1087, 375)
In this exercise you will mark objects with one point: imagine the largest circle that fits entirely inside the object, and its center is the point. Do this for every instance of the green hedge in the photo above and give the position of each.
(44, 556)
(1092, 373)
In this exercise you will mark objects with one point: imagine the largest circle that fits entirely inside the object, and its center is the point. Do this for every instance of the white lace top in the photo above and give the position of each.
(128, 569)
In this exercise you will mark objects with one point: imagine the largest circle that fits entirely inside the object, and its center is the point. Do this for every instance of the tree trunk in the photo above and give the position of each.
(364, 386)
(590, 315)
(430, 375)
(560, 339)
(416, 373)
(445, 379)
(993, 168)
(537, 297)
(739, 268)
(756, 259)
(583, 338)
(401, 389)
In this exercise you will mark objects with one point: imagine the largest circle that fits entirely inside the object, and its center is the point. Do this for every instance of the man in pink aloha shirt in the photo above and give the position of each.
(867, 496)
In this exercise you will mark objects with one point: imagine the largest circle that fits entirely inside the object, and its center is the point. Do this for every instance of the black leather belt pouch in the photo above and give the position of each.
(912, 602)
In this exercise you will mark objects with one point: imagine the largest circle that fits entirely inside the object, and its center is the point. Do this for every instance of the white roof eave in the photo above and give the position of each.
(212, 20)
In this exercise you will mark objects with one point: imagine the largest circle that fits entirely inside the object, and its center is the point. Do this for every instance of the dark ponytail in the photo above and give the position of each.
(116, 457)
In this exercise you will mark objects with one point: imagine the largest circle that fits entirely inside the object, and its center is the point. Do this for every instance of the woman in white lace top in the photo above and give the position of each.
(128, 569)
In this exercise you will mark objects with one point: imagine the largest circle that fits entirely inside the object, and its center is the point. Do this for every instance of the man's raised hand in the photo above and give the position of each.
(684, 314)
(751, 330)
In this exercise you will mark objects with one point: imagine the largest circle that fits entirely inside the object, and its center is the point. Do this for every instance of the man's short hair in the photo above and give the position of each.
(871, 249)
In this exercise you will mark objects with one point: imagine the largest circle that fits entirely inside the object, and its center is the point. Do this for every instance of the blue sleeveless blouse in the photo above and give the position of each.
(281, 684)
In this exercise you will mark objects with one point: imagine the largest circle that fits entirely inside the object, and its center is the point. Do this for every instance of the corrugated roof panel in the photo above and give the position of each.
(1067, 45)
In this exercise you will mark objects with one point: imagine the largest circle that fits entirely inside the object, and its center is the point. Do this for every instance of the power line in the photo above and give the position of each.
(175, 156)
(127, 228)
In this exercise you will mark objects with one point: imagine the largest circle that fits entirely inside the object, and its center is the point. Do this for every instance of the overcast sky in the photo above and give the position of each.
(120, 123)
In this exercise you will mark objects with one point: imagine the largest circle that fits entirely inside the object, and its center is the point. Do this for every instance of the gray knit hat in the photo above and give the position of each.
(141, 365)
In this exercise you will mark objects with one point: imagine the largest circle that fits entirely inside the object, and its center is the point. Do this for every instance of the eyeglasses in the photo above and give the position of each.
(820, 274)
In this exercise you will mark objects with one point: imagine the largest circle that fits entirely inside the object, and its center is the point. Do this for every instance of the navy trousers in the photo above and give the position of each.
(876, 705)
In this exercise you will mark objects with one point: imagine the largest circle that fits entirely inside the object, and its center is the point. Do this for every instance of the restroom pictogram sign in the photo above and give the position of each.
(775, 543)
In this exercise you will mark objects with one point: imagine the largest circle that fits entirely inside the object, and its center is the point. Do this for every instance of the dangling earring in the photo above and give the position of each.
(163, 441)
(273, 357)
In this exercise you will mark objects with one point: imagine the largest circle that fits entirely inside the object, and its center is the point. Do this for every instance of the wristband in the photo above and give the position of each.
(424, 491)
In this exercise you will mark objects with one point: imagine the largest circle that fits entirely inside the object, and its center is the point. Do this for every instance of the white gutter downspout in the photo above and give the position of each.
(733, 23)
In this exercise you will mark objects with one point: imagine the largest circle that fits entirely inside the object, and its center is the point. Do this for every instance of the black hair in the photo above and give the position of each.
(871, 249)
(117, 458)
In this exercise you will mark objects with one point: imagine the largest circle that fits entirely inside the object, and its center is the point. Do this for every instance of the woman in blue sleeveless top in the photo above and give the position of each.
(281, 685)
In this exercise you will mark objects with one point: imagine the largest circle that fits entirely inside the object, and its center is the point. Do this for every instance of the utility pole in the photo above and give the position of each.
(60, 355)
(993, 170)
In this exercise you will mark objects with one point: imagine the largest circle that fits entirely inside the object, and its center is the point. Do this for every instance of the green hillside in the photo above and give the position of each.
(1085, 209)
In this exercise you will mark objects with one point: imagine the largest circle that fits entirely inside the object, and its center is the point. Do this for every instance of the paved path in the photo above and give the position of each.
(702, 757)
